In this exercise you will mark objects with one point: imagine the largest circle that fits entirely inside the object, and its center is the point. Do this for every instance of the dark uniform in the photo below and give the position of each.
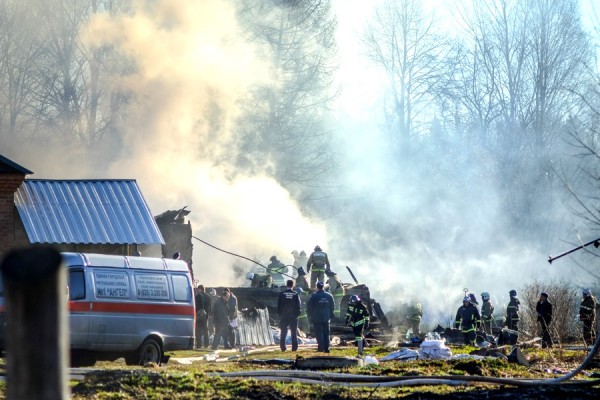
(357, 317)
(319, 262)
(320, 311)
(512, 311)
(587, 315)
(544, 317)
(203, 310)
(221, 320)
(469, 319)
(288, 307)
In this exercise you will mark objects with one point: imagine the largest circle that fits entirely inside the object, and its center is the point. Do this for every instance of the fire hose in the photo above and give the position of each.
(357, 380)
(240, 256)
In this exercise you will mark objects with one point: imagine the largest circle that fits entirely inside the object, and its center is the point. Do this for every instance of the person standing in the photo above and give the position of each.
(319, 262)
(301, 281)
(276, 269)
(487, 309)
(203, 309)
(212, 293)
(544, 317)
(413, 317)
(288, 308)
(232, 303)
(320, 311)
(357, 317)
(512, 311)
(221, 320)
(469, 319)
(337, 290)
(303, 317)
(587, 315)
(299, 259)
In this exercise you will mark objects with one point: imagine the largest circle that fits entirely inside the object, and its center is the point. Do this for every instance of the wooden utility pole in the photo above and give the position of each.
(36, 324)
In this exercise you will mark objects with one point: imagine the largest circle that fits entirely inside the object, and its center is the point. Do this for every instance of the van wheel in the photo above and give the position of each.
(149, 352)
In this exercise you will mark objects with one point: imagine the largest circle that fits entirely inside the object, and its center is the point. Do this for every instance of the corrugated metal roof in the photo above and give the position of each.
(254, 329)
(86, 211)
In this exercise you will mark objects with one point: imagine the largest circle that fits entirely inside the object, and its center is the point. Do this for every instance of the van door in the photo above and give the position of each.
(79, 309)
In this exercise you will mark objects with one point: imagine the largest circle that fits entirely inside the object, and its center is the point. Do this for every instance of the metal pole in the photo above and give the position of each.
(595, 242)
(36, 324)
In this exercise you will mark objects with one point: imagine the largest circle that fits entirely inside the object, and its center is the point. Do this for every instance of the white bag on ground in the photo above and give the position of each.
(434, 350)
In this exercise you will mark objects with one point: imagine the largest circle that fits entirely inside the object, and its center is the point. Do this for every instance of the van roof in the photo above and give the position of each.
(132, 262)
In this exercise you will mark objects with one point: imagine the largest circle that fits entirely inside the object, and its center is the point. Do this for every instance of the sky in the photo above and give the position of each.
(192, 61)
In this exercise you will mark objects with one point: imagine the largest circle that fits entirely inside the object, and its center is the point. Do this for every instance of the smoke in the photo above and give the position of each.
(407, 233)
(426, 228)
(192, 68)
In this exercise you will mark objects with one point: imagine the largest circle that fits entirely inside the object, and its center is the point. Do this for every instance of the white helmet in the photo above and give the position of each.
(485, 296)
(587, 292)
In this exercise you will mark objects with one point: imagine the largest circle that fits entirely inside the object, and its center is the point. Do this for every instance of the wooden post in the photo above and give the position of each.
(36, 324)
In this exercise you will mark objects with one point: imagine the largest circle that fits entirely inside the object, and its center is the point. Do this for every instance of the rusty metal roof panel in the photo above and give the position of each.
(86, 211)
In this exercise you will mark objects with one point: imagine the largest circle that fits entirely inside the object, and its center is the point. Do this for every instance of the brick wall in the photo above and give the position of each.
(11, 227)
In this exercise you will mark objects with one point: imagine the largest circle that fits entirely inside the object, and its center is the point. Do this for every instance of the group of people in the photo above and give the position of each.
(322, 306)
(216, 315)
(470, 319)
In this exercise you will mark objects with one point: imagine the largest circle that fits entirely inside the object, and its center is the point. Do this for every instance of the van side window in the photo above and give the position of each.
(76, 285)
(181, 288)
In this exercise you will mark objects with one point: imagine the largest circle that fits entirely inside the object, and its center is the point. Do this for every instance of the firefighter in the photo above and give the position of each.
(413, 318)
(301, 280)
(337, 290)
(319, 262)
(299, 259)
(587, 315)
(469, 319)
(357, 317)
(276, 269)
(302, 318)
(512, 311)
(544, 317)
(487, 309)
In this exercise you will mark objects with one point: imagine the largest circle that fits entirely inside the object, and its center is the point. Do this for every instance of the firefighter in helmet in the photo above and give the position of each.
(357, 317)
(337, 290)
(487, 309)
(276, 269)
(587, 315)
(468, 318)
(512, 311)
(319, 262)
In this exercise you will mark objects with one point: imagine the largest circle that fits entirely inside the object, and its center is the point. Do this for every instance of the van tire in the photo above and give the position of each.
(149, 352)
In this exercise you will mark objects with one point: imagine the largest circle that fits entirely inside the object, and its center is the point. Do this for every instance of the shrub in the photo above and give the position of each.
(565, 302)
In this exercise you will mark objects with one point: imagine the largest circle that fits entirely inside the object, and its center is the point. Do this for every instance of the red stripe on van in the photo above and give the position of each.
(132, 308)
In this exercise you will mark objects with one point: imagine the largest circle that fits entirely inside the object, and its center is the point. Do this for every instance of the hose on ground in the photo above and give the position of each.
(341, 379)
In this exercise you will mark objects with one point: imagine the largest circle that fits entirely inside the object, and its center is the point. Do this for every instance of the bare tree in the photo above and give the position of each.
(403, 42)
(19, 50)
(285, 122)
(521, 62)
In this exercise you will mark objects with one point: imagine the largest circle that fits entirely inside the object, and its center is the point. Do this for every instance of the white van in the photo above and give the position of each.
(131, 307)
